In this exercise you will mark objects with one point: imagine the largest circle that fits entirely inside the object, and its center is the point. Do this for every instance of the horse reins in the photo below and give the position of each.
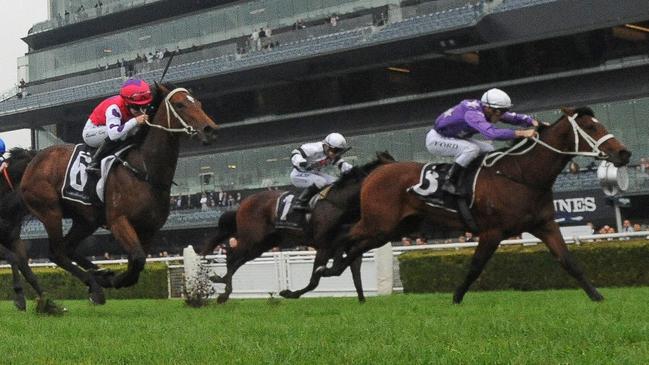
(577, 131)
(5, 173)
(186, 127)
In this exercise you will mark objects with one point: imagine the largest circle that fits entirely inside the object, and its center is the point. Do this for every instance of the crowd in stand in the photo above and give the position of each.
(206, 200)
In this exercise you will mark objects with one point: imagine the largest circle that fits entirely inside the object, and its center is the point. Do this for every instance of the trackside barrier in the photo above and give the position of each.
(276, 271)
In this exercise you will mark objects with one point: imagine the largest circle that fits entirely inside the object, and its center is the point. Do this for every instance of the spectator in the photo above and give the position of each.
(461, 239)
(468, 237)
(255, 42)
(420, 241)
(627, 226)
(333, 20)
(406, 241)
(203, 203)
(637, 227)
(299, 24)
(591, 227)
(107, 256)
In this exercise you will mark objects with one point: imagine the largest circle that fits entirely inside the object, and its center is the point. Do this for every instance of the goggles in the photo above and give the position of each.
(139, 97)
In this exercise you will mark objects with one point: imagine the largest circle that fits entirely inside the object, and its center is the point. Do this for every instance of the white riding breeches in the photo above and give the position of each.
(94, 135)
(462, 150)
(305, 179)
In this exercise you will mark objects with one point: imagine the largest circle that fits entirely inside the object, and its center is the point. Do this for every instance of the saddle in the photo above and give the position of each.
(287, 218)
(84, 188)
(428, 189)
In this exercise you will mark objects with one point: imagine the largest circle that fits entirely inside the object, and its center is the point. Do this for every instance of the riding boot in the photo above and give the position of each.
(301, 203)
(452, 179)
(94, 166)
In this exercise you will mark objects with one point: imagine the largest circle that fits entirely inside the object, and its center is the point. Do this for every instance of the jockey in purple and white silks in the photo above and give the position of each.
(308, 159)
(451, 134)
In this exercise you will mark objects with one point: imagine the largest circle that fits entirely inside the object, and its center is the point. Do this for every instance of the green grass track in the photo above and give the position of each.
(546, 327)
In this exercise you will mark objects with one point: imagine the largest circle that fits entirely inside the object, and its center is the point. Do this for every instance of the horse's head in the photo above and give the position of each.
(176, 110)
(593, 139)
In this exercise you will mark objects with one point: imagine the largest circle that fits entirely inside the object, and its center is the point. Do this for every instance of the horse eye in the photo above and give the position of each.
(179, 105)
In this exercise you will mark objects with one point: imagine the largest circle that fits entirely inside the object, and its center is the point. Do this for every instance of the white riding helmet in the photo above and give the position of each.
(496, 98)
(335, 140)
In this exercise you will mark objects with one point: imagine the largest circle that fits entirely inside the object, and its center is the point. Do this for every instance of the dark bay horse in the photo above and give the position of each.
(253, 226)
(12, 215)
(137, 204)
(513, 194)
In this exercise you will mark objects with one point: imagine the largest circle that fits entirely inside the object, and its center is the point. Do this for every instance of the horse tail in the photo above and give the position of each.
(227, 228)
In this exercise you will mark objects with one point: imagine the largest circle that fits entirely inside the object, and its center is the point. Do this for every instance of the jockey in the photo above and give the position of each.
(116, 118)
(307, 161)
(451, 133)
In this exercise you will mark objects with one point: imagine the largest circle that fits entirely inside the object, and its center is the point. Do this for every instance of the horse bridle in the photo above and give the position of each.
(186, 127)
(577, 131)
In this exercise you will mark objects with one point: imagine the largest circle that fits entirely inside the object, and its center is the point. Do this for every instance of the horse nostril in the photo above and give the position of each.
(625, 155)
(210, 132)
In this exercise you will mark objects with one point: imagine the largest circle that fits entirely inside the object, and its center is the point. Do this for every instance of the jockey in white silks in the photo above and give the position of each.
(451, 134)
(308, 159)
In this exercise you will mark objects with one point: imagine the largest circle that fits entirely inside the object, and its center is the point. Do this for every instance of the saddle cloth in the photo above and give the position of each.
(432, 177)
(286, 218)
(84, 188)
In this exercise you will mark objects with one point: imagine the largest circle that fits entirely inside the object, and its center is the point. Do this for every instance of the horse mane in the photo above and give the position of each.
(358, 173)
(18, 160)
(158, 96)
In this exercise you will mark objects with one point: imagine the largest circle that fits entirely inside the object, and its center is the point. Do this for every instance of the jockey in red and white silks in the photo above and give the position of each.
(117, 118)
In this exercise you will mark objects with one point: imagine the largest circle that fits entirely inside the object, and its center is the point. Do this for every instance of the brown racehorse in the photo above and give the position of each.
(253, 226)
(12, 214)
(137, 201)
(512, 196)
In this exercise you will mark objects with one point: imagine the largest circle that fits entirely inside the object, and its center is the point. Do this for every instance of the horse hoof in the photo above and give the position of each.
(97, 297)
(20, 303)
(457, 299)
(361, 300)
(221, 299)
(47, 306)
(597, 297)
(288, 294)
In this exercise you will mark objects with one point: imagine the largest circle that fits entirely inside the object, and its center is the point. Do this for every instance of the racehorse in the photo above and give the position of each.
(12, 214)
(137, 196)
(253, 226)
(513, 194)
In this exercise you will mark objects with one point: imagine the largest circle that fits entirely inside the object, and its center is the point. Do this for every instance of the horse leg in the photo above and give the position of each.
(124, 232)
(232, 265)
(77, 233)
(19, 298)
(551, 236)
(321, 257)
(58, 255)
(488, 244)
(355, 268)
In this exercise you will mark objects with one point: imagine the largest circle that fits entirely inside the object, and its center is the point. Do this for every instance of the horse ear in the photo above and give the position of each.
(569, 111)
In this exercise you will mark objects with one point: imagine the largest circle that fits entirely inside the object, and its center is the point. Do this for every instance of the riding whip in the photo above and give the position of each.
(167, 67)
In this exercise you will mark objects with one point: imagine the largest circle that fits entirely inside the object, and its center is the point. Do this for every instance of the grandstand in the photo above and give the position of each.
(380, 73)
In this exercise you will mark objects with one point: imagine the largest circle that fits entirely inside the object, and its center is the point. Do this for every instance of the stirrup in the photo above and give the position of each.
(93, 168)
